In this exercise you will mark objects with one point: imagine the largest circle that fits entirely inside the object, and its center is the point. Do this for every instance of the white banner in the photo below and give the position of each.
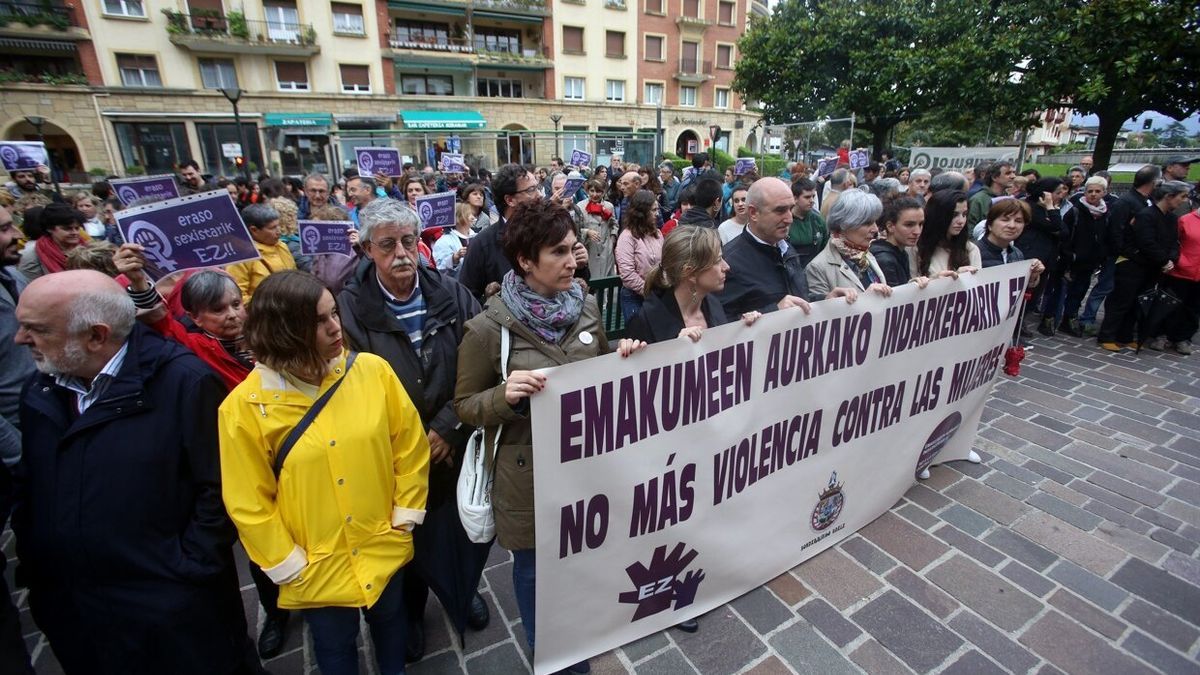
(675, 480)
(957, 159)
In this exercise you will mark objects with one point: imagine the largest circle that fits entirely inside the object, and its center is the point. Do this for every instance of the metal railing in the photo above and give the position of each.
(452, 45)
(538, 6)
(695, 67)
(237, 27)
(35, 13)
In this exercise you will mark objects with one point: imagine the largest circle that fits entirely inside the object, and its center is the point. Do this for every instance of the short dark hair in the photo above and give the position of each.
(699, 159)
(688, 195)
(352, 172)
(57, 215)
(465, 191)
(708, 190)
(802, 185)
(504, 184)
(102, 189)
(994, 171)
(189, 163)
(892, 209)
(281, 328)
(1146, 175)
(206, 289)
(534, 225)
(271, 188)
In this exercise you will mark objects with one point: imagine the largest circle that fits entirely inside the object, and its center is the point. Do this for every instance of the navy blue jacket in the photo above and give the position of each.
(760, 275)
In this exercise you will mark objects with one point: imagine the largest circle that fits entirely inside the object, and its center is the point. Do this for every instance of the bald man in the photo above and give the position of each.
(120, 524)
(628, 185)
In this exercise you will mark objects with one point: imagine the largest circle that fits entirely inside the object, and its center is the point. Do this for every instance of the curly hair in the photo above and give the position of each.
(535, 225)
(639, 218)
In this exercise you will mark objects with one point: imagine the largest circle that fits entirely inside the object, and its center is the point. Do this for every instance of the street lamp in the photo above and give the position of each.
(234, 94)
(556, 119)
(37, 121)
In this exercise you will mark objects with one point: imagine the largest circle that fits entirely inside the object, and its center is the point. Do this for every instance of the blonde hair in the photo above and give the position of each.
(688, 249)
(464, 213)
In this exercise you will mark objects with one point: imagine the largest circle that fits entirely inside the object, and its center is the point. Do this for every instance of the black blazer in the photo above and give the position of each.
(660, 318)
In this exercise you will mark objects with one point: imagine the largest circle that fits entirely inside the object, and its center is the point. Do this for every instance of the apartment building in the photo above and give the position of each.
(131, 86)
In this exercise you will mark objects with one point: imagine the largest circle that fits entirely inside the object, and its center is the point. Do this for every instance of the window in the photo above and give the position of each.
(725, 13)
(654, 48)
(283, 21)
(655, 7)
(573, 88)
(124, 8)
(614, 41)
(348, 19)
(689, 62)
(721, 98)
(499, 88)
(724, 56)
(212, 136)
(155, 147)
(430, 85)
(138, 70)
(218, 74)
(687, 96)
(489, 39)
(691, 8)
(291, 75)
(614, 91)
(421, 32)
(572, 40)
(355, 79)
(654, 94)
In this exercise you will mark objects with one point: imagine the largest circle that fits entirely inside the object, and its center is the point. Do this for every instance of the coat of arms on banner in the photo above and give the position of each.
(829, 506)
(663, 585)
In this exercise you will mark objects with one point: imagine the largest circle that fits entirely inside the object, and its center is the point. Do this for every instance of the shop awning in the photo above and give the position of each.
(297, 119)
(426, 7)
(442, 119)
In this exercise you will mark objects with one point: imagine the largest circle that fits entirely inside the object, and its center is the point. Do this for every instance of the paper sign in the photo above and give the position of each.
(859, 159)
(318, 237)
(580, 158)
(379, 160)
(453, 163)
(231, 150)
(826, 166)
(185, 233)
(574, 182)
(436, 210)
(19, 155)
(154, 188)
(744, 165)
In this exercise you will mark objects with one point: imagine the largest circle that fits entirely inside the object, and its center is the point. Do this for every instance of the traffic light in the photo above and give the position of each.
(239, 161)
(1147, 123)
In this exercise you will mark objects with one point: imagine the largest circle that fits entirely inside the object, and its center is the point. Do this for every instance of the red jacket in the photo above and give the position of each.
(1188, 265)
(206, 347)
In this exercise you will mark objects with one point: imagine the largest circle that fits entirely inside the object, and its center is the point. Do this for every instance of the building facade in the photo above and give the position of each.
(129, 86)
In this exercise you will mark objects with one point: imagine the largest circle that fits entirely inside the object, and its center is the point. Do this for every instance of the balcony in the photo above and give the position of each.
(534, 7)
(691, 26)
(40, 21)
(694, 71)
(232, 33)
(515, 59)
(445, 46)
(615, 4)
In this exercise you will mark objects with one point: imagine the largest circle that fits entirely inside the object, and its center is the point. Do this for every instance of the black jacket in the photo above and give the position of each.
(1043, 236)
(660, 318)
(697, 216)
(485, 261)
(893, 261)
(428, 377)
(760, 275)
(1155, 235)
(1087, 245)
(1120, 223)
(991, 255)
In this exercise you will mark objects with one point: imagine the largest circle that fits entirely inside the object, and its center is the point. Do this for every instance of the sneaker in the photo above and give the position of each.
(1071, 327)
(1158, 344)
(1183, 347)
(1112, 347)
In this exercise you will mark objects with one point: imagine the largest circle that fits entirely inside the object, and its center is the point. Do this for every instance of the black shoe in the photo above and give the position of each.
(1026, 333)
(274, 633)
(689, 626)
(478, 615)
(414, 646)
(1071, 327)
(1046, 327)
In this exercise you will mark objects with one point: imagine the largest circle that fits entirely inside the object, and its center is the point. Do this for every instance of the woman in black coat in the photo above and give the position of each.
(1043, 239)
(1085, 250)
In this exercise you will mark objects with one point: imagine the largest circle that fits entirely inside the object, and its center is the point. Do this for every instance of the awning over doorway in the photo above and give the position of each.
(442, 119)
(297, 119)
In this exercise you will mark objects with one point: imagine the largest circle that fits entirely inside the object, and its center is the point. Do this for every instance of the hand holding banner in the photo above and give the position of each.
(453, 163)
(184, 233)
(23, 155)
(379, 160)
(153, 188)
(826, 166)
(859, 159)
(579, 158)
(436, 210)
(319, 237)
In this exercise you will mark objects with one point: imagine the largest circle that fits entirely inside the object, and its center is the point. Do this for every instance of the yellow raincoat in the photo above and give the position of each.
(337, 524)
(251, 273)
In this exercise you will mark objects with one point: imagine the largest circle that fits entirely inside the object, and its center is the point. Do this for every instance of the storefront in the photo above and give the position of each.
(362, 131)
(299, 142)
(439, 131)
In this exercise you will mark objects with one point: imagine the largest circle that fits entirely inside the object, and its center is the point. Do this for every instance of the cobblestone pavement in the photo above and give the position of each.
(1072, 548)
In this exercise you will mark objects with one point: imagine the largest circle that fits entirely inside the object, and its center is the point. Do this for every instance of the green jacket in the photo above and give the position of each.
(809, 236)
(978, 206)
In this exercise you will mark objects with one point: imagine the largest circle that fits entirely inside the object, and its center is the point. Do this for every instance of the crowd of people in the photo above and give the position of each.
(317, 408)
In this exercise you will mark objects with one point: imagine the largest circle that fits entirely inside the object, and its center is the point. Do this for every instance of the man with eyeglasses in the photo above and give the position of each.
(734, 225)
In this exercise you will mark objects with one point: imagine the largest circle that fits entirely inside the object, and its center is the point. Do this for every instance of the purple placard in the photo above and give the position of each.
(453, 162)
(185, 233)
(436, 210)
(153, 188)
(318, 237)
(580, 158)
(379, 160)
(859, 159)
(574, 182)
(20, 155)
(743, 166)
(826, 166)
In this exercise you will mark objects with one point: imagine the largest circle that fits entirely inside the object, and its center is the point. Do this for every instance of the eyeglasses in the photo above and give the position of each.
(529, 190)
(408, 242)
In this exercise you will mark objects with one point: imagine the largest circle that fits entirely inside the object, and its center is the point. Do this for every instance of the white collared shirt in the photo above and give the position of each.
(783, 243)
(86, 395)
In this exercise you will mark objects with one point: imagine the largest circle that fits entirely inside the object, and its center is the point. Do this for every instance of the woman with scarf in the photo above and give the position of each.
(54, 231)
(473, 195)
(639, 247)
(598, 229)
(551, 321)
(1043, 239)
(1085, 250)
(847, 261)
(945, 242)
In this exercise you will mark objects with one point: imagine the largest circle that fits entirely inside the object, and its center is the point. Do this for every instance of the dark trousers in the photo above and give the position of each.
(1077, 288)
(1104, 284)
(1182, 325)
(416, 594)
(335, 632)
(1130, 280)
(524, 576)
(268, 591)
(13, 657)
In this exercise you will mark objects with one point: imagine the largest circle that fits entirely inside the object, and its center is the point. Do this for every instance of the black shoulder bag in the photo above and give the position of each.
(307, 420)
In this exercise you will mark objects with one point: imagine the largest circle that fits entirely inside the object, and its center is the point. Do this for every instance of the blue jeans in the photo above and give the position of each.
(1104, 286)
(524, 574)
(631, 304)
(335, 632)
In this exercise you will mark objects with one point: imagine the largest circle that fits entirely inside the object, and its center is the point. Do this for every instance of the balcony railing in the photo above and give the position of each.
(530, 6)
(614, 4)
(695, 67)
(36, 13)
(450, 45)
(236, 27)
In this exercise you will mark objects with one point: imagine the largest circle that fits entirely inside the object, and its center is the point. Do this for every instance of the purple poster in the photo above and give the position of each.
(325, 236)
(18, 155)
(436, 210)
(826, 166)
(185, 233)
(574, 182)
(379, 160)
(859, 159)
(743, 166)
(580, 158)
(453, 163)
(146, 188)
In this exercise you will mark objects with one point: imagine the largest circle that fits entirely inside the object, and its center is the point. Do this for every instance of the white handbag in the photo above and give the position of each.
(475, 479)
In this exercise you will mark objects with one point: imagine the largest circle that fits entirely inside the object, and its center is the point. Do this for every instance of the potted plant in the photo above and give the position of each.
(238, 27)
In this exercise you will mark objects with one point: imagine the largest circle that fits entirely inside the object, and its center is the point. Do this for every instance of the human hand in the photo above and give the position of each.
(460, 254)
(627, 346)
(353, 235)
(521, 384)
(1047, 200)
(439, 449)
(750, 317)
(383, 180)
(967, 269)
(921, 282)
(790, 301)
(692, 333)
(593, 235)
(581, 254)
(1169, 266)
(849, 294)
(130, 261)
(880, 289)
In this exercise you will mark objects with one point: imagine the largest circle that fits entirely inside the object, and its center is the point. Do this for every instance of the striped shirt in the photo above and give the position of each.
(86, 395)
(410, 313)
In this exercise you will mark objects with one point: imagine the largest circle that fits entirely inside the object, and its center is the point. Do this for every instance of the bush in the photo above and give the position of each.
(135, 170)
(98, 172)
(720, 159)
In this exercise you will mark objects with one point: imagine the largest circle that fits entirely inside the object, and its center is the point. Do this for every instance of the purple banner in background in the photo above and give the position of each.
(580, 158)
(826, 166)
(574, 182)
(453, 163)
(187, 233)
(153, 188)
(325, 236)
(743, 166)
(436, 210)
(859, 159)
(379, 160)
(18, 155)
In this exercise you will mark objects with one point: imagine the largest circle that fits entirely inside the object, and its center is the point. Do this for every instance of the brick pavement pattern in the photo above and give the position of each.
(1071, 549)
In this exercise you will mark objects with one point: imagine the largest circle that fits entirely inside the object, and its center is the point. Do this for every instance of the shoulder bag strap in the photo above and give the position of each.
(307, 420)
(505, 347)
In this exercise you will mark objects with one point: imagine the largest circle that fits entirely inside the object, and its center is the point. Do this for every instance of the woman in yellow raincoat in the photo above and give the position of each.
(331, 523)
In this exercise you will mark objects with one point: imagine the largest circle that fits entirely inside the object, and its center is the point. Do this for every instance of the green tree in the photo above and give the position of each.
(1173, 136)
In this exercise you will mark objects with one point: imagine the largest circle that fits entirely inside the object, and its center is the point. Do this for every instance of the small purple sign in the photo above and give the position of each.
(319, 237)
(859, 159)
(20, 155)
(453, 162)
(185, 233)
(436, 210)
(580, 158)
(379, 160)
(744, 165)
(145, 188)
(826, 166)
(574, 182)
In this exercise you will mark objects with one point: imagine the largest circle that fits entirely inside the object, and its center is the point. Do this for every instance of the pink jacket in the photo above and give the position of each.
(635, 257)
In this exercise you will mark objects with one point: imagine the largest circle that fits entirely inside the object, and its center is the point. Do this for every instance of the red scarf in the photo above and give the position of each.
(53, 258)
(597, 208)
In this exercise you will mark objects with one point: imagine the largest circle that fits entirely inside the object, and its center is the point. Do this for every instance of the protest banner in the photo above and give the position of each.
(859, 159)
(379, 160)
(318, 237)
(579, 158)
(743, 165)
(453, 163)
(18, 155)
(574, 182)
(677, 479)
(826, 166)
(184, 233)
(150, 188)
(436, 210)
(957, 159)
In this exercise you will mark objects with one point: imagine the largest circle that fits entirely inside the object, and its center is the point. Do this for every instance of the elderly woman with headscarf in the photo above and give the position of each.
(847, 260)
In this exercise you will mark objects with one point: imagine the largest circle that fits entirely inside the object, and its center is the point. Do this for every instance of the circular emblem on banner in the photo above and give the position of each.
(10, 154)
(366, 161)
(941, 435)
(312, 236)
(921, 160)
(127, 194)
(425, 212)
(829, 506)
(155, 241)
(586, 338)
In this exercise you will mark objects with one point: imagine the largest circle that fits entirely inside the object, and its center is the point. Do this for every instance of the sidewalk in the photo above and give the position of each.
(1072, 548)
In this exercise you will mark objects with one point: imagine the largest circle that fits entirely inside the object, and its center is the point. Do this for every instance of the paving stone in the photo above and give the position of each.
(1064, 511)
(1118, 465)
(1054, 460)
(922, 592)
(1117, 516)
(805, 651)
(503, 659)
(789, 589)
(1046, 438)
(1130, 541)
(1107, 496)
(1087, 614)
(499, 580)
(762, 610)
(1186, 491)
(903, 541)
(495, 632)
(1069, 542)
(1090, 586)
(918, 516)
(966, 520)
(1009, 485)
(1026, 578)
(1162, 658)
(987, 594)
(1182, 566)
(969, 545)
(640, 649)
(906, 631)
(1020, 473)
(992, 642)
(829, 621)
(1161, 625)
(1021, 548)
(1126, 489)
(873, 658)
(1131, 375)
(1173, 540)
(446, 662)
(1107, 442)
(1158, 518)
(868, 554)
(1073, 648)
(1169, 592)
(669, 662)
(973, 663)
(1051, 423)
(1189, 514)
(923, 496)
(769, 666)
(837, 578)
(940, 478)
(1137, 429)
(737, 646)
